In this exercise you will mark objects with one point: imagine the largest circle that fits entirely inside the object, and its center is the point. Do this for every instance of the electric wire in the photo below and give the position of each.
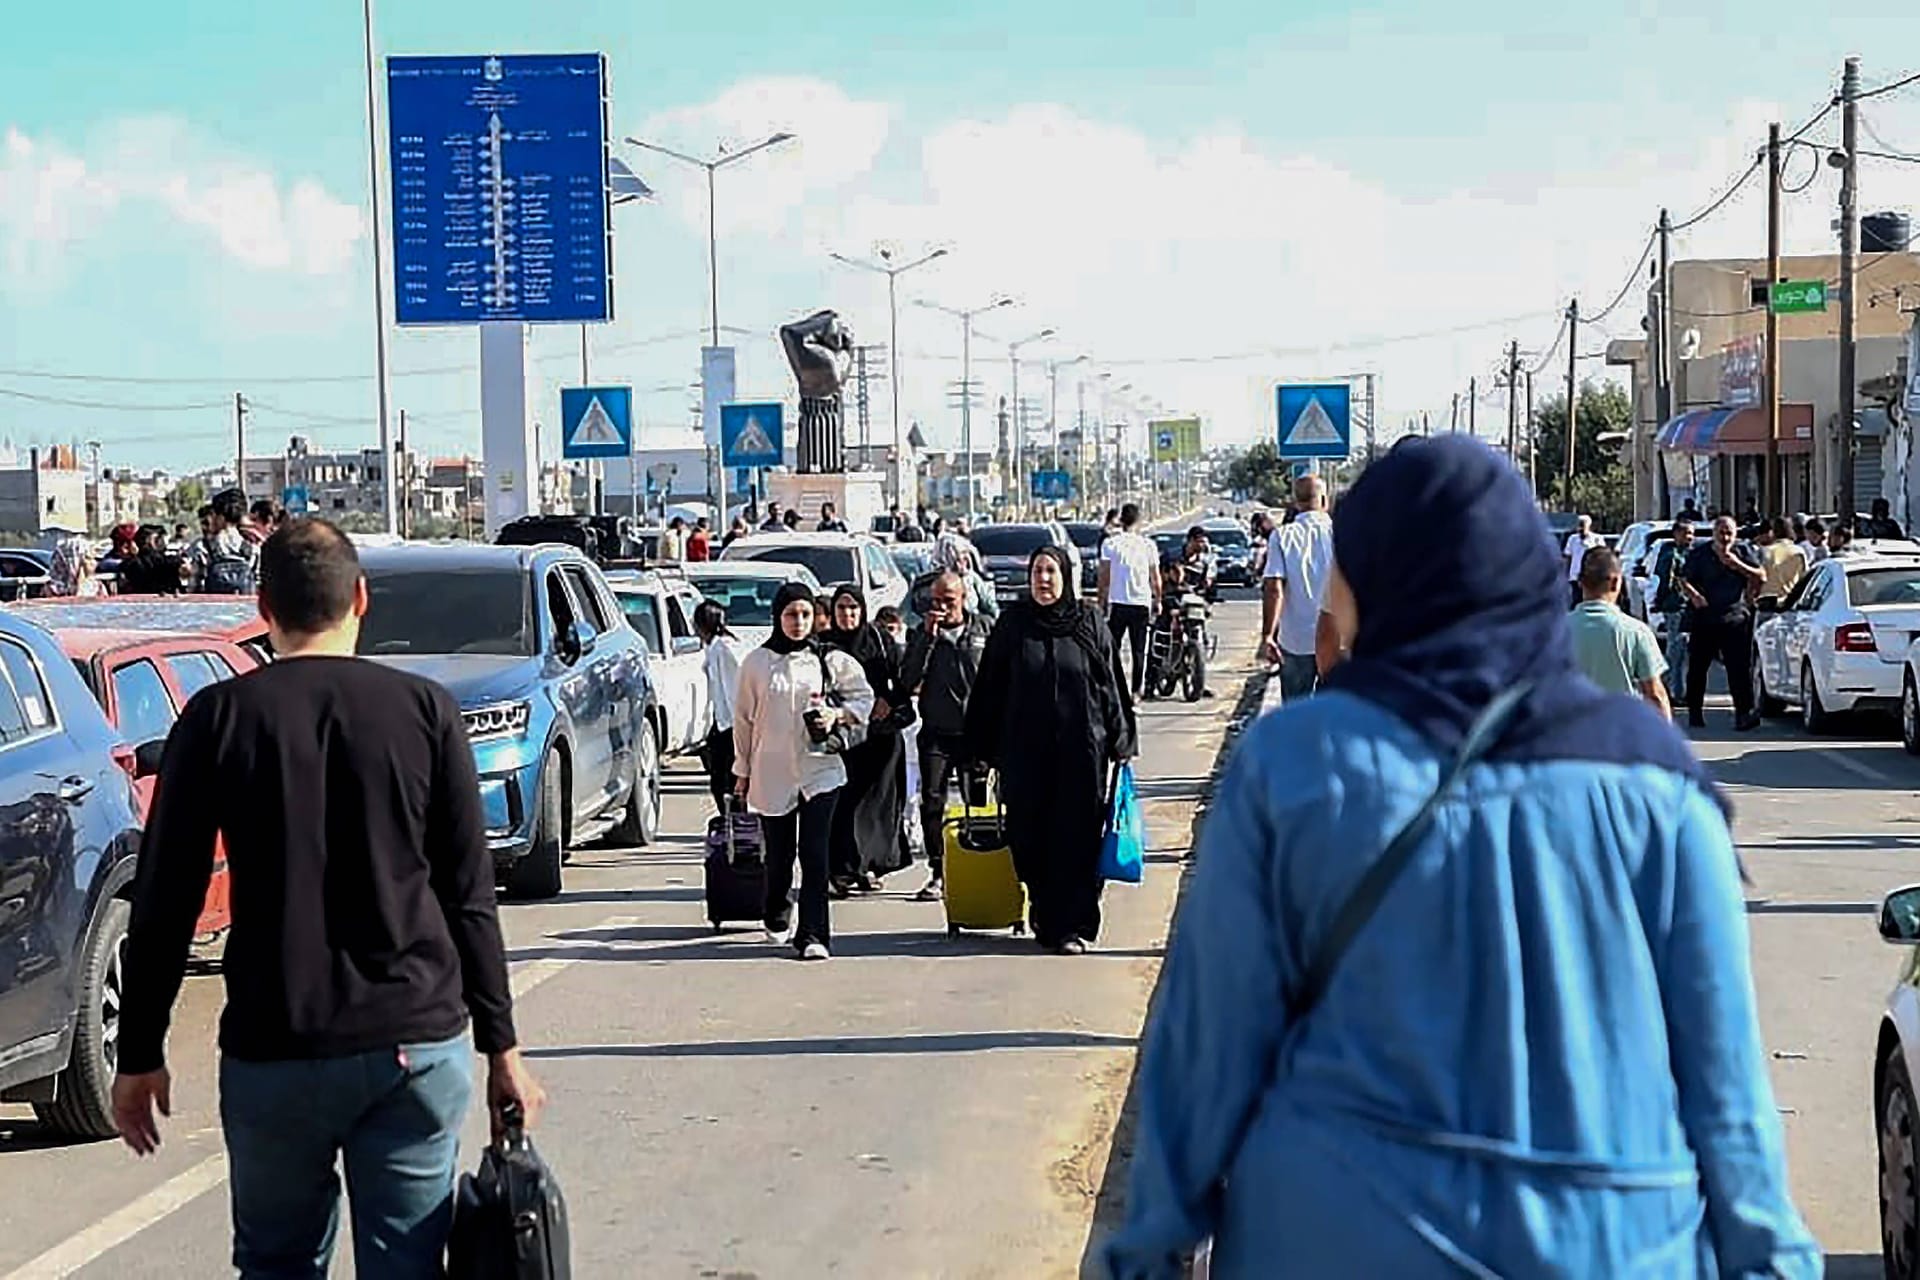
(1901, 83)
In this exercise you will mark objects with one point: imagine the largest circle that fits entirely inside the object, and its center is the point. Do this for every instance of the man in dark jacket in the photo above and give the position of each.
(1718, 580)
(943, 658)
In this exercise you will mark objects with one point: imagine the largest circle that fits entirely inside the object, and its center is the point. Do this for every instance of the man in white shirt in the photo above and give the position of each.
(1582, 540)
(1130, 589)
(1294, 588)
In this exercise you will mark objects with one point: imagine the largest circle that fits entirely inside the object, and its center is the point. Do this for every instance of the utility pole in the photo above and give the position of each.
(1531, 482)
(1080, 437)
(1573, 393)
(97, 516)
(1849, 253)
(240, 443)
(405, 514)
(1663, 348)
(1771, 500)
(1513, 403)
(1453, 418)
(1473, 402)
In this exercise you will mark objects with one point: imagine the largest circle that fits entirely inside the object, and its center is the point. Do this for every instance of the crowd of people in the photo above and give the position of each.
(142, 560)
(827, 730)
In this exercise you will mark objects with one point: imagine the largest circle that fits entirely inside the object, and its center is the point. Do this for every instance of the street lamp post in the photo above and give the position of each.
(383, 389)
(965, 316)
(715, 487)
(893, 273)
(1017, 470)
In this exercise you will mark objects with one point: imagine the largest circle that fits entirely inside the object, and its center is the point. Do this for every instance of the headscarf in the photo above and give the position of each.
(951, 551)
(864, 641)
(1064, 616)
(1460, 597)
(779, 641)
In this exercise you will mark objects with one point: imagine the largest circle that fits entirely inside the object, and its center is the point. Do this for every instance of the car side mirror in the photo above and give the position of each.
(577, 641)
(146, 758)
(1900, 916)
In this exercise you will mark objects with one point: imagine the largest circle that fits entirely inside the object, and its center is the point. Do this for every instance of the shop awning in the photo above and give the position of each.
(1740, 432)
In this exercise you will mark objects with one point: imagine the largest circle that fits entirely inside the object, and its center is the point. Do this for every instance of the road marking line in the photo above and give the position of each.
(114, 1230)
(87, 1246)
(1858, 768)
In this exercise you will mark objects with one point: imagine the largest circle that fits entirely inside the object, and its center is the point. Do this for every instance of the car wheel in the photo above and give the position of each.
(82, 1105)
(537, 874)
(1814, 718)
(1910, 716)
(1765, 703)
(640, 825)
(1899, 1195)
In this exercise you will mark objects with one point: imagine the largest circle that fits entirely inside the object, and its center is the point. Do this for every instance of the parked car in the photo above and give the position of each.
(69, 839)
(1006, 548)
(832, 558)
(745, 589)
(912, 558)
(553, 683)
(25, 572)
(1840, 640)
(143, 679)
(1233, 552)
(1087, 535)
(659, 606)
(1896, 1107)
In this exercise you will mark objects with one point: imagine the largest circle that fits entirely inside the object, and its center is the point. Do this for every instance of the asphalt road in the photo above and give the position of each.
(1826, 827)
(917, 1107)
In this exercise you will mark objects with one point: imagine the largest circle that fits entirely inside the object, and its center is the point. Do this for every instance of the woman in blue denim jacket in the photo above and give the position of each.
(1540, 1056)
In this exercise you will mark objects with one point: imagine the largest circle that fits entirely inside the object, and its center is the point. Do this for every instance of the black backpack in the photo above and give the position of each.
(228, 573)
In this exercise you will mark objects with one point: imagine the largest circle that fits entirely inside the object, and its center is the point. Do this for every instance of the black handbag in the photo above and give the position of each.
(509, 1217)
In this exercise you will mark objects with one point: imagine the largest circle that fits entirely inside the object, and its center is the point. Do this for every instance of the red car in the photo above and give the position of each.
(143, 658)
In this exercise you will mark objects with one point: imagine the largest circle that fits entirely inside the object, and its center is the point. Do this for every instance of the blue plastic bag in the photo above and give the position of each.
(1123, 853)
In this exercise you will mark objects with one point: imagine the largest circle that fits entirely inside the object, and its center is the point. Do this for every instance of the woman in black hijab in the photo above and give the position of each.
(1050, 714)
(865, 843)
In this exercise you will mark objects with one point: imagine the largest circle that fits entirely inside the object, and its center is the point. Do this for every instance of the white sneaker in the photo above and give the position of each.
(815, 951)
(780, 937)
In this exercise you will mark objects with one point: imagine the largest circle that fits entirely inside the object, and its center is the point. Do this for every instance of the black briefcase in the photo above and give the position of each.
(509, 1218)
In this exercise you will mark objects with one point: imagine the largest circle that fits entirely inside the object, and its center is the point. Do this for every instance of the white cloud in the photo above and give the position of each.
(836, 140)
(54, 201)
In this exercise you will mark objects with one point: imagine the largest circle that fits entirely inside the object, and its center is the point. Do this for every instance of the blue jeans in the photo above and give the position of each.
(1676, 653)
(393, 1114)
(1299, 675)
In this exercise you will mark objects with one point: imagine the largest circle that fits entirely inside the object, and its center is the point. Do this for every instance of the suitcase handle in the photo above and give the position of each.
(997, 809)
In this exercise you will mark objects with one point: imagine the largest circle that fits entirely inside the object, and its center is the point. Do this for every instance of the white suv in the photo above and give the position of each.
(833, 558)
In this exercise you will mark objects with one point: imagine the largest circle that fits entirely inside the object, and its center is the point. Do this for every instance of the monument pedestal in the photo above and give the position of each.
(858, 496)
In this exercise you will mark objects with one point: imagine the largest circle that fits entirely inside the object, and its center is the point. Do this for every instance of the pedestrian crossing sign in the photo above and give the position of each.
(751, 435)
(596, 422)
(1315, 419)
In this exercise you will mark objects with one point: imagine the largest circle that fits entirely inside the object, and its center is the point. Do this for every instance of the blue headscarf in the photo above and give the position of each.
(1461, 596)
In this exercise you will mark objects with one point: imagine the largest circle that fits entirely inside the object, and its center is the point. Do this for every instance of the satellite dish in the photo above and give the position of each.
(1690, 345)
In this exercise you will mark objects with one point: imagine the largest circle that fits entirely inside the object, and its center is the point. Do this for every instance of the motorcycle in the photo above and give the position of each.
(1179, 648)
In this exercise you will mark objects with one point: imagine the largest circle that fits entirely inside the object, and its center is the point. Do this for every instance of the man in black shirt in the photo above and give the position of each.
(942, 661)
(364, 940)
(1719, 577)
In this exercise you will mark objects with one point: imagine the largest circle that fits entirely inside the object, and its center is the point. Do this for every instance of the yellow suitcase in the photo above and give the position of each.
(983, 892)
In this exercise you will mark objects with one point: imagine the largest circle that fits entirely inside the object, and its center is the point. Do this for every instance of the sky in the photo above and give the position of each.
(1202, 198)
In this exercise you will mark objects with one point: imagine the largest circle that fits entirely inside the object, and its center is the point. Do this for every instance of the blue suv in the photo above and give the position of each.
(552, 681)
(69, 838)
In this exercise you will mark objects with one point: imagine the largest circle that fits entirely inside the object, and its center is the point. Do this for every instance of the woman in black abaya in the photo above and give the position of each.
(865, 843)
(1050, 714)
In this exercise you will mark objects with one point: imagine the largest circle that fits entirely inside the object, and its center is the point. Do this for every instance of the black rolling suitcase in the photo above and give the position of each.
(736, 871)
(509, 1218)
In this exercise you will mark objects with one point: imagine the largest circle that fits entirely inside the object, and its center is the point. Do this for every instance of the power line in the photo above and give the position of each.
(1627, 287)
(1724, 196)
(121, 406)
(1901, 83)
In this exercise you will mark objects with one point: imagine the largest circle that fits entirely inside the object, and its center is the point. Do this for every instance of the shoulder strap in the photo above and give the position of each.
(1367, 895)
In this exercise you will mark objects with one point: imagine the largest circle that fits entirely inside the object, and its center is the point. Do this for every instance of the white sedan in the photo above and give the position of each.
(745, 589)
(1896, 1061)
(1840, 640)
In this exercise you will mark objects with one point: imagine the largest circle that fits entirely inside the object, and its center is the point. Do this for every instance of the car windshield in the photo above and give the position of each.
(1086, 536)
(643, 611)
(434, 611)
(827, 564)
(1228, 537)
(1884, 586)
(1010, 539)
(748, 601)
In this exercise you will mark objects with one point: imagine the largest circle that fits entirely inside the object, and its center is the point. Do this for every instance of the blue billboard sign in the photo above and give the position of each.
(752, 435)
(596, 422)
(1052, 486)
(500, 208)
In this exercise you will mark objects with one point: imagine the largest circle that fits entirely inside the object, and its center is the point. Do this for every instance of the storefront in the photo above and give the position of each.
(1717, 457)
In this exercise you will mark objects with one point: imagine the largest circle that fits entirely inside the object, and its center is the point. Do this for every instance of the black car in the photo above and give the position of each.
(1005, 550)
(69, 839)
(1087, 537)
(1233, 552)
